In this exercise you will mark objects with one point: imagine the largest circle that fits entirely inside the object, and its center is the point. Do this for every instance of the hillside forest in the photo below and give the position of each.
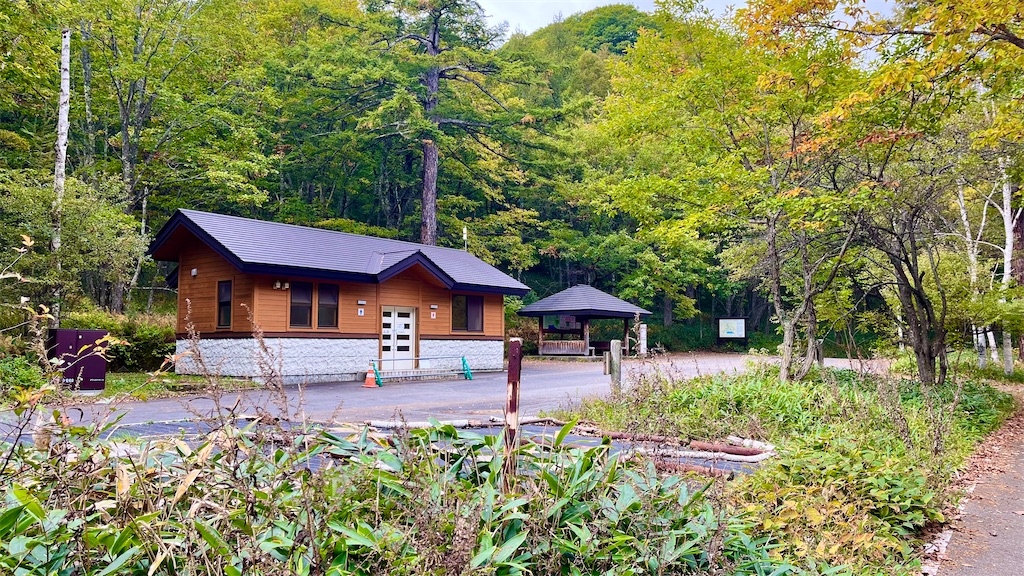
(842, 178)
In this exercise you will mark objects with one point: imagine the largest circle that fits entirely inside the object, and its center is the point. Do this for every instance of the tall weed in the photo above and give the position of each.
(428, 502)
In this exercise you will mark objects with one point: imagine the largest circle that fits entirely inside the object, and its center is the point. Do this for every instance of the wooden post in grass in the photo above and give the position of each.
(616, 367)
(511, 432)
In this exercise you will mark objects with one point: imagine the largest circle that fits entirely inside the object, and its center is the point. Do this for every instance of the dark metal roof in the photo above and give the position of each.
(583, 300)
(261, 247)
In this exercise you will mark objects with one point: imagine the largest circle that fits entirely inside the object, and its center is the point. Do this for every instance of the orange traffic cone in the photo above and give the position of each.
(371, 378)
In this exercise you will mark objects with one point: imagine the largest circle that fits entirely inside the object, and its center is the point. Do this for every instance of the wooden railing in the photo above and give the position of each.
(563, 347)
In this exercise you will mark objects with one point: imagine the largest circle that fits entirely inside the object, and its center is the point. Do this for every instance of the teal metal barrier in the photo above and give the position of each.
(466, 371)
(376, 373)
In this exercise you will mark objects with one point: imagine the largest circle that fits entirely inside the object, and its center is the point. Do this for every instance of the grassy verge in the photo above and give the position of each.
(857, 479)
(143, 386)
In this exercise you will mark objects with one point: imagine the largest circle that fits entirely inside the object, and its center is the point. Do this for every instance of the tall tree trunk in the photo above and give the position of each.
(1007, 352)
(903, 239)
(666, 311)
(89, 156)
(428, 227)
(59, 168)
(1010, 217)
(813, 347)
(758, 309)
(152, 288)
(926, 332)
(979, 345)
(775, 285)
(1018, 261)
(117, 290)
(142, 257)
(788, 346)
(972, 244)
(432, 83)
(901, 334)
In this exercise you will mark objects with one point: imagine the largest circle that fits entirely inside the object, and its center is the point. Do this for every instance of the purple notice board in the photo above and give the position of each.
(82, 368)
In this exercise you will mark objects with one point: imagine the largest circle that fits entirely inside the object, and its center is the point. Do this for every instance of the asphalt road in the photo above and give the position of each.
(545, 385)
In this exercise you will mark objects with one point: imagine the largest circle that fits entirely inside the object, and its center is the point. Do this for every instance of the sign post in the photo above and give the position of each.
(732, 330)
(511, 435)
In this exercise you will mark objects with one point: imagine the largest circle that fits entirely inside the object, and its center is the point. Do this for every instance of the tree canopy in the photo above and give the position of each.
(815, 174)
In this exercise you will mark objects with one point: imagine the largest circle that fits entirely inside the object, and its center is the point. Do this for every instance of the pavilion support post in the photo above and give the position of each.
(540, 336)
(625, 336)
(586, 336)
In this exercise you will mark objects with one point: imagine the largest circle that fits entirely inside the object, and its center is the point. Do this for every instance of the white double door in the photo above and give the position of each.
(398, 338)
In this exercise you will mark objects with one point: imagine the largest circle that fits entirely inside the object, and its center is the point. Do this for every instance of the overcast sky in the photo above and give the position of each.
(529, 15)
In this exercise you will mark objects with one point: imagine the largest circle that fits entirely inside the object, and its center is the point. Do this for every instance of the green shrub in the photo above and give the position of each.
(752, 404)
(844, 496)
(17, 371)
(150, 338)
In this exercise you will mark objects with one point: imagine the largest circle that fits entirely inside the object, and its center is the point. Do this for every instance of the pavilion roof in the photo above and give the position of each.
(583, 300)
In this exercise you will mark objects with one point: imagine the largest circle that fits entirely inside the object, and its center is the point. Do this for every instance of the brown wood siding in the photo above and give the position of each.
(242, 302)
(201, 290)
(442, 298)
(413, 288)
(271, 305)
(350, 320)
(494, 315)
(400, 292)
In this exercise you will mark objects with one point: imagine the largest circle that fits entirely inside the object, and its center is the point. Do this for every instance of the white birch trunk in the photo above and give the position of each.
(1009, 219)
(979, 345)
(59, 167)
(972, 265)
(899, 331)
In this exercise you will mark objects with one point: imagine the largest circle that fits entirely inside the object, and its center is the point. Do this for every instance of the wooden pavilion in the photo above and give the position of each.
(573, 309)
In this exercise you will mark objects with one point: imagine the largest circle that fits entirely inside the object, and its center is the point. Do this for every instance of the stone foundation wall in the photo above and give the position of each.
(299, 360)
(481, 354)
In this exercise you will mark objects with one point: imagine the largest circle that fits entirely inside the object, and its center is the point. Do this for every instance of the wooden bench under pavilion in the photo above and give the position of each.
(576, 307)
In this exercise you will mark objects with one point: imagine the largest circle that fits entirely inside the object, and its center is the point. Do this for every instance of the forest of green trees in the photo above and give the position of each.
(828, 172)
(847, 180)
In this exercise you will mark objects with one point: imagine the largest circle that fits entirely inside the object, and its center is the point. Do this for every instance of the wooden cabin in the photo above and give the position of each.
(329, 302)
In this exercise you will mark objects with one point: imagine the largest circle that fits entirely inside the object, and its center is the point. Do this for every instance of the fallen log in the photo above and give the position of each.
(663, 466)
(704, 455)
(551, 421)
(736, 440)
(530, 421)
(412, 424)
(643, 437)
(727, 448)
